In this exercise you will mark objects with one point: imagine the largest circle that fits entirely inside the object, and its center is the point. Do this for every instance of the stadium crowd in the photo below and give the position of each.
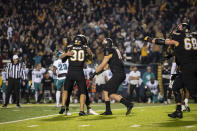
(37, 30)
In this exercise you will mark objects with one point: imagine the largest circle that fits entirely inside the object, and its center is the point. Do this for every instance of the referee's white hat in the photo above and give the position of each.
(15, 57)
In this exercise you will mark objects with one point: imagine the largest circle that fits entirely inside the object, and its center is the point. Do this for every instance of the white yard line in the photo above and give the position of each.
(135, 125)
(33, 126)
(2, 123)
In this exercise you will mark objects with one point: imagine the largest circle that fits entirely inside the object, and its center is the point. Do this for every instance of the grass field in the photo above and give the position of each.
(144, 117)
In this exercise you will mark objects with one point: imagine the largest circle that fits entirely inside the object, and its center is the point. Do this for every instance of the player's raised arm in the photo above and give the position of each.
(68, 53)
(104, 63)
(160, 41)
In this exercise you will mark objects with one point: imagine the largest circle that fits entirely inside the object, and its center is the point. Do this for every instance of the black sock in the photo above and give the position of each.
(63, 107)
(88, 107)
(178, 107)
(125, 102)
(67, 108)
(108, 108)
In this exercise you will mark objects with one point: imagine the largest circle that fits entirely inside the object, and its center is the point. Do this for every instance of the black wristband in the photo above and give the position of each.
(159, 41)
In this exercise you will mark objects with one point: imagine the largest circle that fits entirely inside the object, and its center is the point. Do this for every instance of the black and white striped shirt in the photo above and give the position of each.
(15, 71)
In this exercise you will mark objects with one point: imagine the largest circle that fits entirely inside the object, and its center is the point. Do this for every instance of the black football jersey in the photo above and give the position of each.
(47, 82)
(80, 55)
(186, 51)
(115, 63)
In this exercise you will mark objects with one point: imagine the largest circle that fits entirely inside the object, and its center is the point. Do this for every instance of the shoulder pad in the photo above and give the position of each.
(85, 46)
(176, 33)
(69, 46)
(194, 33)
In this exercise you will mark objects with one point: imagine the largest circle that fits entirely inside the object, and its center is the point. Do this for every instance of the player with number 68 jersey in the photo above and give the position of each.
(185, 51)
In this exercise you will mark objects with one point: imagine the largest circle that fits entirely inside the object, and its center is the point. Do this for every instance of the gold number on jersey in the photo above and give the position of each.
(190, 43)
(78, 55)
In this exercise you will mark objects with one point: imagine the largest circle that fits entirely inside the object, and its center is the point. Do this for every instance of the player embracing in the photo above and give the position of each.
(60, 70)
(114, 59)
(77, 54)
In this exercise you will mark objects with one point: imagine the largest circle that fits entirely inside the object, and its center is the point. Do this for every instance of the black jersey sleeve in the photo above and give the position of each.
(108, 51)
(176, 36)
(69, 47)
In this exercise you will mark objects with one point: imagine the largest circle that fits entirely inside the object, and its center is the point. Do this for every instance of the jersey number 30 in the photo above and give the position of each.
(78, 55)
(190, 43)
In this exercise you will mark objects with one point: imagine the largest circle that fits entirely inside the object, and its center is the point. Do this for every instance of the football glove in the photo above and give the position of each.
(148, 39)
(92, 75)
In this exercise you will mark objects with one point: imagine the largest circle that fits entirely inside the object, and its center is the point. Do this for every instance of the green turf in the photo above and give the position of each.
(144, 117)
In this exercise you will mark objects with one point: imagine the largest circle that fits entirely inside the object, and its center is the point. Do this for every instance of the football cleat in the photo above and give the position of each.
(176, 114)
(68, 113)
(106, 113)
(82, 113)
(129, 108)
(187, 108)
(4, 106)
(91, 112)
(18, 106)
(62, 110)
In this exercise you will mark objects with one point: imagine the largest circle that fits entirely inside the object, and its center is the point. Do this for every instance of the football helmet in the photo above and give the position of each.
(58, 54)
(183, 27)
(78, 40)
(107, 42)
(84, 39)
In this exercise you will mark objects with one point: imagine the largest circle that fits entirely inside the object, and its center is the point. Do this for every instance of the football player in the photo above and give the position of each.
(114, 59)
(60, 70)
(77, 54)
(185, 51)
(37, 75)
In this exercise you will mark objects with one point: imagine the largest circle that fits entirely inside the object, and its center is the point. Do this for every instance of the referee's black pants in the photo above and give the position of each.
(13, 86)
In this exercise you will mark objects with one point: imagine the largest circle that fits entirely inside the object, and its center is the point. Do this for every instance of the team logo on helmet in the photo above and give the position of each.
(78, 40)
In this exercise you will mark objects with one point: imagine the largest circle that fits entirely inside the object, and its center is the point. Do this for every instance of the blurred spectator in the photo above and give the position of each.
(165, 81)
(152, 90)
(134, 76)
(144, 54)
(148, 75)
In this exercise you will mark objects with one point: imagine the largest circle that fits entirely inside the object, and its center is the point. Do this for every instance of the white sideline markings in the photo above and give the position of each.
(84, 125)
(135, 125)
(8, 122)
(33, 126)
(189, 126)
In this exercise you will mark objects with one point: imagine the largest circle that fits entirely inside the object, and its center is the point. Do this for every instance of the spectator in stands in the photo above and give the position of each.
(144, 54)
(147, 75)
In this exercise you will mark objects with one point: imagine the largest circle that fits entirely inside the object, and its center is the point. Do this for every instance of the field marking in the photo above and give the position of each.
(8, 122)
(135, 125)
(84, 125)
(189, 126)
(33, 126)
(42, 105)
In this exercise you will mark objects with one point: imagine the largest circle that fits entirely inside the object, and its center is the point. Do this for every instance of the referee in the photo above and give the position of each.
(14, 74)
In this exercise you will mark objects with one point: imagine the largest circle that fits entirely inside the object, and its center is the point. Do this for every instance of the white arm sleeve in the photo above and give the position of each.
(173, 68)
